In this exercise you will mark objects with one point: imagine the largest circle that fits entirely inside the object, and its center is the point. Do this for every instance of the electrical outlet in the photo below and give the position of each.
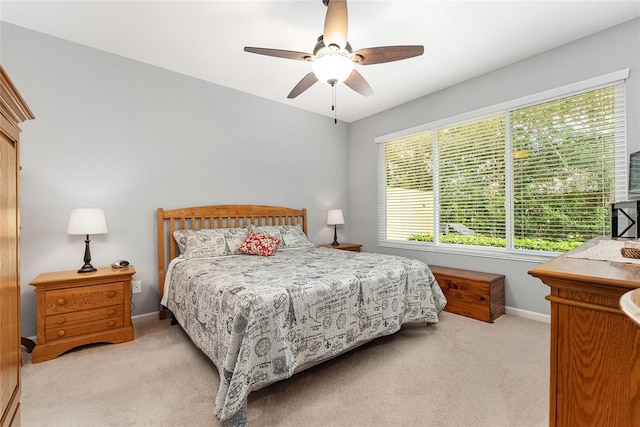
(136, 286)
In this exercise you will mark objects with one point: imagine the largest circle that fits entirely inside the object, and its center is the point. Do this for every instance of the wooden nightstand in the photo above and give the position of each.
(353, 247)
(74, 309)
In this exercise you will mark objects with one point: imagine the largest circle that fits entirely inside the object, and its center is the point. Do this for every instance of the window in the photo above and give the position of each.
(534, 176)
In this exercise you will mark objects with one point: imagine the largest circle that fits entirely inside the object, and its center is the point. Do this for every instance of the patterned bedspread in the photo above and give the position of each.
(258, 318)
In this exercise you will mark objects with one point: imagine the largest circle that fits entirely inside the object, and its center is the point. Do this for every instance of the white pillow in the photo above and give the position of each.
(234, 238)
(291, 236)
(200, 243)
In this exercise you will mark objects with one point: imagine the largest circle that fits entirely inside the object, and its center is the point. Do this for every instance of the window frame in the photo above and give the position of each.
(616, 78)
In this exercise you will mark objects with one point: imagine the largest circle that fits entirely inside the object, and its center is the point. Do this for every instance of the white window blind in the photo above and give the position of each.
(536, 176)
(564, 166)
(472, 179)
(409, 186)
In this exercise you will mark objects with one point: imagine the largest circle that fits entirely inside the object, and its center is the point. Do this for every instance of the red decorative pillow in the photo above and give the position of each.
(259, 244)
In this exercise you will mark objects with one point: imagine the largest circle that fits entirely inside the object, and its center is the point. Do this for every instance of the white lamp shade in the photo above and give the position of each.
(87, 221)
(335, 217)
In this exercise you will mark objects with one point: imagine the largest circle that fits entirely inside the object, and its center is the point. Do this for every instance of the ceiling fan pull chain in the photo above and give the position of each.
(333, 104)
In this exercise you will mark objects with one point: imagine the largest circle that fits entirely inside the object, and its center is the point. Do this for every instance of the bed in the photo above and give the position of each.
(262, 302)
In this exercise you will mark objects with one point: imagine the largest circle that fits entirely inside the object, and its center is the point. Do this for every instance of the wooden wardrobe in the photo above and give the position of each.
(13, 111)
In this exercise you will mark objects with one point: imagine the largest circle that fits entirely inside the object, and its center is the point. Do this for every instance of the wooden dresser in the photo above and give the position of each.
(13, 111)
(595, 347)
(74, 309)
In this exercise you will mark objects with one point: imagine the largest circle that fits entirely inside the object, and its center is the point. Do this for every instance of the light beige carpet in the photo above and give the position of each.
(461, 372)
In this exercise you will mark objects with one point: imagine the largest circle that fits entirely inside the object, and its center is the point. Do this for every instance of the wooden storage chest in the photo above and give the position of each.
(471, 293)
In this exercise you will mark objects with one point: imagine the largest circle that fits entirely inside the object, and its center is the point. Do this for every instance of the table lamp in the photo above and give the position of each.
(335, 218)
(87, 221)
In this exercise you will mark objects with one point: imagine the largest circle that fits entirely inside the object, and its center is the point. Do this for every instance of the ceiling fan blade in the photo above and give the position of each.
(378, 55)
(279, 53)
(304, 84)
(356, 82)
(336, 24)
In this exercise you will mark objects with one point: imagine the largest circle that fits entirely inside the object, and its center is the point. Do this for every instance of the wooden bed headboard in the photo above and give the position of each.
(216, 216)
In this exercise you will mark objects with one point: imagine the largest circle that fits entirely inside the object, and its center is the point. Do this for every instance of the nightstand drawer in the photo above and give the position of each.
(84, 298)
(64, 320)
(66, 331)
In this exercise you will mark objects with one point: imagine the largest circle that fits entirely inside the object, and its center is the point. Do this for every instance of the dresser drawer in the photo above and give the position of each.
(65, 331)
(83, 298)
(67, 319)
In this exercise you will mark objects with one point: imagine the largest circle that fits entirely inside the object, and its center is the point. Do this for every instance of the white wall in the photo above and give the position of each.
(129, 138)
(599, 54)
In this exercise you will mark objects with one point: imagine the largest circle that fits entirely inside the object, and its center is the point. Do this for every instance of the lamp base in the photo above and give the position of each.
(335, 236)
(87, 268)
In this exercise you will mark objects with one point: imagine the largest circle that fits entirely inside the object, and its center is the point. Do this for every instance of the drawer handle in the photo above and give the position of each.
(453, 286)
(111, 312)
(112, 323)
(61, 333)
(61, 320)
(61, 301)
(111, 294)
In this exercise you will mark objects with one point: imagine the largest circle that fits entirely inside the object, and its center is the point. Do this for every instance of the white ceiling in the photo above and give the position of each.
(205, 39)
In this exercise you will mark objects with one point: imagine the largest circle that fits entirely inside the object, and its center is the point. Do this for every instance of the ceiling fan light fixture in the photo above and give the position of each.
(332, 68)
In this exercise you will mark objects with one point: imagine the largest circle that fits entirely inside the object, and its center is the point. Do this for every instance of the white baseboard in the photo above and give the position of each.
(508, 310)
(154, 315)
(528, 314)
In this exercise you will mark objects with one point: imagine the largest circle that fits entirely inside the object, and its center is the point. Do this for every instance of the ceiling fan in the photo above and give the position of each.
(333, 59)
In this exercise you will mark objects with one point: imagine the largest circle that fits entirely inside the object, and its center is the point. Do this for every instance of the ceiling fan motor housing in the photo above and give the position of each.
(320, 47)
